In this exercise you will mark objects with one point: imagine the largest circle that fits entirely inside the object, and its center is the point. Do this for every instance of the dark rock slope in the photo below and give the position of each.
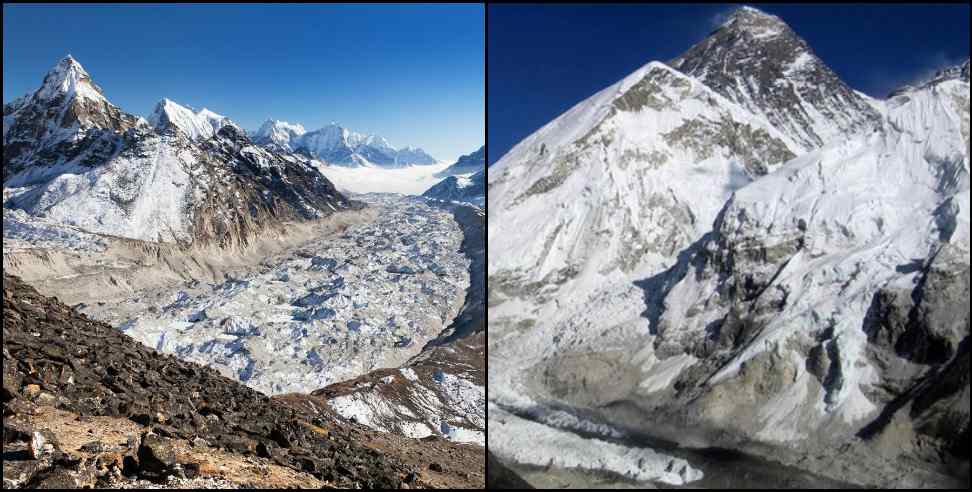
(499, 477)
(758, 61)
(53, 355)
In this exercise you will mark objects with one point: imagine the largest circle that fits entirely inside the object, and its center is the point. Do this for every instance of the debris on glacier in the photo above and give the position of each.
(338, 307)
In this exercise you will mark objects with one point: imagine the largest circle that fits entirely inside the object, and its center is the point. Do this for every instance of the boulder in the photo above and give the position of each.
(42, 444)
(156, 455)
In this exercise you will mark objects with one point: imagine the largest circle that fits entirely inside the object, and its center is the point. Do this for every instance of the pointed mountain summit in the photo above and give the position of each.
(56, 120)
(756, 60)
(68, 78)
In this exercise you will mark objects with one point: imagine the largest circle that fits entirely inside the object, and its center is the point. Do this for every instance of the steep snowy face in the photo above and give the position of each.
(197, 125)
(467, 164)
(622, 182)
(68, 79)
(756, 60)
(62, 120)
(852, 262)
(332, 144)
(279, 133)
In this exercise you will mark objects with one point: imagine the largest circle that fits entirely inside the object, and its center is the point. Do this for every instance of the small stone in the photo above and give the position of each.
(190, 470)
(435, 467)
(45, 398)
(42, 443)
(263, 450)
(32, 391)
(411, 478)
(93, 447)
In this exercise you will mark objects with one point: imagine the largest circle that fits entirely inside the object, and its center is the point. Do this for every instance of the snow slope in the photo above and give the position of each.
(624, 180)
(835, 227)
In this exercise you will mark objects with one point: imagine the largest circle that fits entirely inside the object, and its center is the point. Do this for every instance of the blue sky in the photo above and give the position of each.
(543, 59)
(411, 73)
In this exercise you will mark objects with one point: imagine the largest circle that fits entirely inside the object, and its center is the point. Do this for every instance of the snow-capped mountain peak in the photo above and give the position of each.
(758, 61)
(758, 23)
(279, 133)
(65, 110)
(68, 79)
(199, 124)
(659, 150)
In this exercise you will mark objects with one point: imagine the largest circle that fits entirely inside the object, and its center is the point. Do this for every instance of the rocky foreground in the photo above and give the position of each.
(86, 406)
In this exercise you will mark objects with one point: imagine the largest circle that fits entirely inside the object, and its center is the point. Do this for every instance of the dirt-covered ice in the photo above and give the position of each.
(334, 308)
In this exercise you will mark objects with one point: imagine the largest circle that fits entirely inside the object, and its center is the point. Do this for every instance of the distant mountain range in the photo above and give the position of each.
(337, 145)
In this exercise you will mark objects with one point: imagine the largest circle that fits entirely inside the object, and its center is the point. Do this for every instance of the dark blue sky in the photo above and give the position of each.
(543, 59)
(411, 73)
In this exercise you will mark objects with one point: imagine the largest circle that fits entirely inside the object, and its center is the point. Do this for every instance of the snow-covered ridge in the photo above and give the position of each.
(467, 164)
(461, 188)
(657, 146)
(195, 124)
(956, 72)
